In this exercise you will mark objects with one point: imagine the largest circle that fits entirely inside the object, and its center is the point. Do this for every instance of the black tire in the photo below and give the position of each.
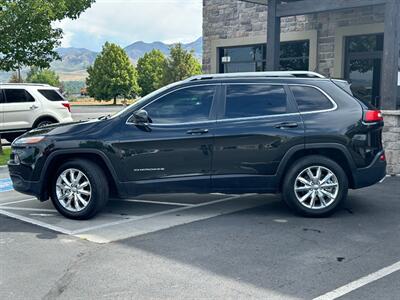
(288, 187)
(99, 189)
(44, 123)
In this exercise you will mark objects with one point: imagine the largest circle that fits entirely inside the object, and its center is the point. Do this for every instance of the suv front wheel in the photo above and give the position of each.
(79, 189)
(315, 186)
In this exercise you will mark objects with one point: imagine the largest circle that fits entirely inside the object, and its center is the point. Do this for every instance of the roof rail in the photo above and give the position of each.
(296, 74)
(26, 84)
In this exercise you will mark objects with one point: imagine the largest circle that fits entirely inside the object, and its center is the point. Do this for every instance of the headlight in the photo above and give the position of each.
(29, 140)
(16, 159)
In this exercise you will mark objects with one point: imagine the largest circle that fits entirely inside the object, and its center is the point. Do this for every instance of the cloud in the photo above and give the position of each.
(127, 21)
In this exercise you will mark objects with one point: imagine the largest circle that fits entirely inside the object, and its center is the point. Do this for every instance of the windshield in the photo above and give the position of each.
(133, 107)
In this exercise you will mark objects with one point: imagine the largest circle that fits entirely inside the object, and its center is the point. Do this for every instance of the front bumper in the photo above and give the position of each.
(21, 185)
(372, 174)
(20, 176)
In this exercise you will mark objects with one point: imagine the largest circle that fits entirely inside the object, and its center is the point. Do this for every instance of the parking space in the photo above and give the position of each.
(243, 245)
(123, 218)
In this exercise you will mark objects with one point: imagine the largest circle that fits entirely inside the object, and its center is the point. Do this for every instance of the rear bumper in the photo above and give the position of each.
(67, 119)
(370, 175)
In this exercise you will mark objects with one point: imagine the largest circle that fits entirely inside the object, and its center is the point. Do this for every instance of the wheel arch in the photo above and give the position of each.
(43, 118)
(334, 151)
(56, 159)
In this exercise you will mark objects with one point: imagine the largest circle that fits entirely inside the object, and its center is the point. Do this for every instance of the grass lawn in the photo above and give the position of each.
(5, 156)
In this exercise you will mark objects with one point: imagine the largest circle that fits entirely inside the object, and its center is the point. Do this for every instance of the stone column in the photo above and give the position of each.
(391, 140)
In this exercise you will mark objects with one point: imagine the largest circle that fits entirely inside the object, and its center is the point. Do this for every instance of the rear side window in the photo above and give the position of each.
(253, 100)
(1, 97)
(18, 96)
(52, 95)
(310, 99)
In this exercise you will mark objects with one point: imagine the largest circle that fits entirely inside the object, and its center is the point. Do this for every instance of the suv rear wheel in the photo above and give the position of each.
(79, 189)
(45, 122)
(315, 186)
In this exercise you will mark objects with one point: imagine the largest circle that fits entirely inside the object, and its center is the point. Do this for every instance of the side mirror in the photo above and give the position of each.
(140, 117)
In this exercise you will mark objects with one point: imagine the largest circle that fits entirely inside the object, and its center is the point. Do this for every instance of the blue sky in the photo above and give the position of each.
(127, 21)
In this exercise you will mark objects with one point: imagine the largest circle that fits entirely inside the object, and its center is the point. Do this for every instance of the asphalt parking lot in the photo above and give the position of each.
(202, 246)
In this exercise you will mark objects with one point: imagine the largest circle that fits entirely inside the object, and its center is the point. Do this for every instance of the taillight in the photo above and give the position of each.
(382, 157)
(373, 116)
(67, 105)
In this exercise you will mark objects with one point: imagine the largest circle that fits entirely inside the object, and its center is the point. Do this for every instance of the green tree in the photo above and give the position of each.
(181, 64)
(150, 70)
(46, 76)
(112, 75)
(14, 78)
(27, 34)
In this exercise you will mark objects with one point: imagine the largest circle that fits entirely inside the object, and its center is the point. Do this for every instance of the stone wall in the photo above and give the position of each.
(224, 19)
(391, 140)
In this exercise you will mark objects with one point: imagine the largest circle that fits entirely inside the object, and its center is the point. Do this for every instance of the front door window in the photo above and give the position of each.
(182, 106)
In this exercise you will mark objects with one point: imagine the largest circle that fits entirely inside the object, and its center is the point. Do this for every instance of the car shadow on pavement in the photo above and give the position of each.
(12, 225)
(270, 249)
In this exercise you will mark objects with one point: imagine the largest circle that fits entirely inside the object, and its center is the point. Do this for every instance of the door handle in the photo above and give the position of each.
(197, 131)
(33, 107)
(287, 125)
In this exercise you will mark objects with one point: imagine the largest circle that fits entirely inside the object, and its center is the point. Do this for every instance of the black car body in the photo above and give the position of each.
(229, 134)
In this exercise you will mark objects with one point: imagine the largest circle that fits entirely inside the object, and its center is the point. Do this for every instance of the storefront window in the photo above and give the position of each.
(364, 66)
(252, 58)
(295, 56)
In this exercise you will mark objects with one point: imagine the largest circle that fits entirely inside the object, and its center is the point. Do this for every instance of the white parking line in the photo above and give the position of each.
(29, 209)
(35, 222)
(153, 202)
(18, 201)
(152, 215)
(339, 292)
(72, 232)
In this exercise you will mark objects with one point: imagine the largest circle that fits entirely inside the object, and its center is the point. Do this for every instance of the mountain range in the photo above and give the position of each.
(74, 61)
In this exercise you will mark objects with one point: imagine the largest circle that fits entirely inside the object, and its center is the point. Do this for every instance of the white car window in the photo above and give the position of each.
(52, 95)
(18, 96)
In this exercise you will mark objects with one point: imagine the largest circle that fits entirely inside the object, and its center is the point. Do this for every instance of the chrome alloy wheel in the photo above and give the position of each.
(73, 190)
(316, 187)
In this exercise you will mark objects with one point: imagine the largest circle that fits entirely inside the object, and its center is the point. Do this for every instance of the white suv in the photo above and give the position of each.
(27, 106)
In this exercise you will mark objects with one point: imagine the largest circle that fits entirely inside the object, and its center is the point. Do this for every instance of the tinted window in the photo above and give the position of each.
(310, 99)
(182, 106)
(293, 56)
(254, 100)
(1, 96)
(52, 95)
(17, 96)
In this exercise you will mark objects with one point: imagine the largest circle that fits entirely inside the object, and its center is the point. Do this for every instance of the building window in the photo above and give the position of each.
(242, 59)
(363, 66)
(252, 58)
(295, 56)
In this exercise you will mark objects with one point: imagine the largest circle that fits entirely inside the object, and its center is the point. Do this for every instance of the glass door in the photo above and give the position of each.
(363, 66)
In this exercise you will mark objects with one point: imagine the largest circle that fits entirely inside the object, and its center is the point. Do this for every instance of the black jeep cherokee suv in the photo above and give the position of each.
(276, 132)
